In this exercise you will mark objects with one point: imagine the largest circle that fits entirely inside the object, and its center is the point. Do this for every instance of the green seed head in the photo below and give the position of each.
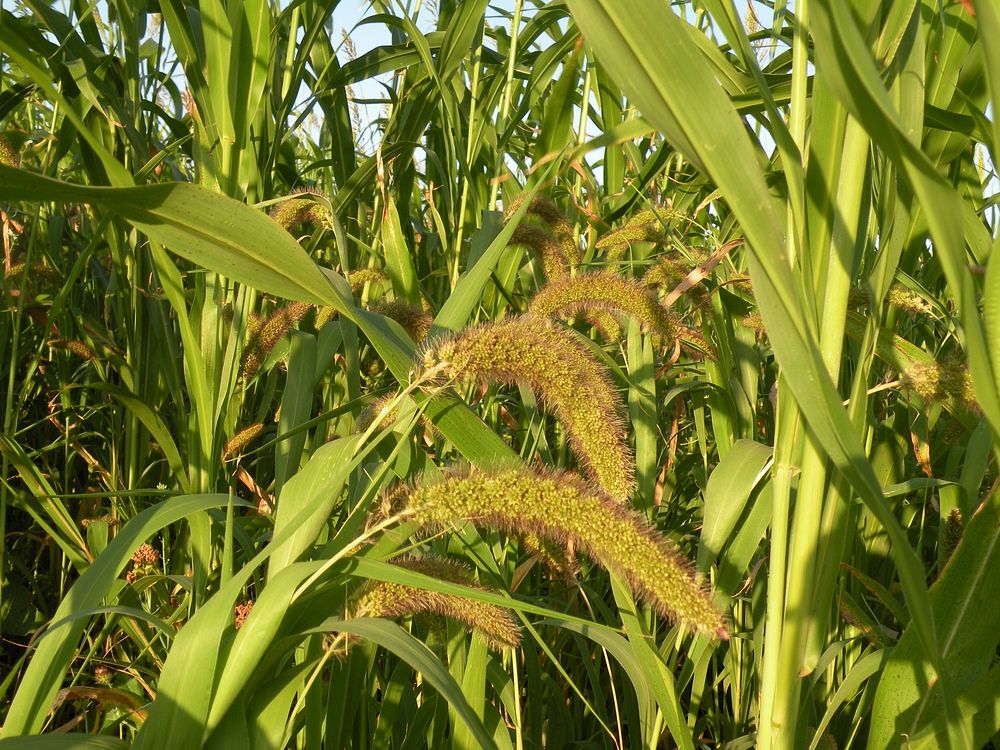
(559, 507)
(301, 207)
(357, 279)
(260, 344)
(939, 381)
(544, 209)
(645, 226)
(7, 156)
(562, 373)
(238, 442)
(414, 321)
(391, 600)
(908, 300)
(604, 291)
(543, 243)
(954, 530)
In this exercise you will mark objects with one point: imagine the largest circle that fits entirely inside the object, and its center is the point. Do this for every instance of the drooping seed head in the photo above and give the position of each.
(908, 300)
(238, 442)
(645, 226)
(938, 381)
(280, 322)
(75, 346)
(544, 209)
(544, 244)
(565, 377)
(391, 600)
(303, 206)
(359, 278)
(605, 291)
(669, 272)
(559, 507)
(7, 156)
(415, 321)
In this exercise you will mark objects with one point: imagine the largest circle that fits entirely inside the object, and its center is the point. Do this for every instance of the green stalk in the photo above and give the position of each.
(469, 151)
(504, 116)
(774, 710)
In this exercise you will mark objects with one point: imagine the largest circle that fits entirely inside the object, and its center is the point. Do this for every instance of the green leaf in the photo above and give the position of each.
(728, 491)
(55, 652)
(393, 638)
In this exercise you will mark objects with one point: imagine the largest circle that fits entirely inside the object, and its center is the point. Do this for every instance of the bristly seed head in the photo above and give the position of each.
(564, 375)
(544, 209)
(938, 381)
(603, 291)
(559, 507)
(383, 599)
(302, 206)
(238, 442)
(543, 243)
(415, 321)
(267, 336)
(7, 156)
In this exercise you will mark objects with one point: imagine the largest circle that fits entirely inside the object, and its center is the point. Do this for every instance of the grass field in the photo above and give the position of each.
(626, 376)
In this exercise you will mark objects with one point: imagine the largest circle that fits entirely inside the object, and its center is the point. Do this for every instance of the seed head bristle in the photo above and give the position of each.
(362, 276)
(238, 442)
(7, 155)
(260, 344)
(908, 300)
(544, 244)
(324, 313)
(391, 600)
(645, 226)
(303, 205)
(75, 346)
(607, 291)
(415, 321)
(544, 209)
(939, 381)
(564, 375)
(669, 272)
(559, 507)
(954, 530)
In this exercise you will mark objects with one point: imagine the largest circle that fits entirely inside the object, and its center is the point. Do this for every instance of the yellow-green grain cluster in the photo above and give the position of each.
(555, 263)
(7, 156)
(645, 226)
(415, 321)
(604, 291)
(75, 346)
(262, 338)
(558, 506)
(357, 279)
(391, 600)
(546, 211)
(938, 381)
(562, 373)
(238, 442)
(301, 207)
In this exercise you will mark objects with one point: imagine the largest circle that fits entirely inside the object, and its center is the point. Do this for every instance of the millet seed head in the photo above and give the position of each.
(544, 244)
(415, 321)
(560, 507)
(303, 206)
(7, 155)
(391, 600)
(565, 377)
(604, 291)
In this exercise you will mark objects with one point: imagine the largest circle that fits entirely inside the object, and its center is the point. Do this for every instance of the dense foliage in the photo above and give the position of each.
(631, 380)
